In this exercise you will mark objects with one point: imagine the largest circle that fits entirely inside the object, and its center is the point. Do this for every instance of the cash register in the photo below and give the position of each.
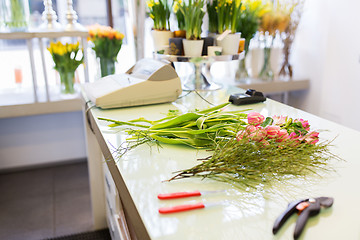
(149, 81)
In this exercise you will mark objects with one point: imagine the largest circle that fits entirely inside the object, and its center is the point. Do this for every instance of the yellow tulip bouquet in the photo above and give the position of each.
(107, 44)
(67, 59)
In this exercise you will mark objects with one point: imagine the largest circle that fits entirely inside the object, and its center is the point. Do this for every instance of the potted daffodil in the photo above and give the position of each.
(194, 13)
(159, 12)
(227, 20)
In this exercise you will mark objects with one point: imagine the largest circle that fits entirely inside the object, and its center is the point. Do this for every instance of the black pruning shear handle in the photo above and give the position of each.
(307, 208)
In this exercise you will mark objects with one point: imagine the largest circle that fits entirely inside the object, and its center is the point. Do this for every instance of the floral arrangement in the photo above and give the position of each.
(107, 44)
(107, 41)
(268, 150)
(65, 56)
(248, 150)
(277, 19)
(227, 15)
(289, 33)
(249, 19)
(160, 13)
(67, 60)
(193, 12)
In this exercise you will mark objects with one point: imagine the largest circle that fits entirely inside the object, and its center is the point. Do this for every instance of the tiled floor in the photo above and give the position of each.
(44, 203)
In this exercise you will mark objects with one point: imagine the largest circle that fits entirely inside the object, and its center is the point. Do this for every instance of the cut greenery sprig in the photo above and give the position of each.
(250, 164)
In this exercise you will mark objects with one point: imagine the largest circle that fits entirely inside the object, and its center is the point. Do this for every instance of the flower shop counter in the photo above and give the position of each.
(241, 213)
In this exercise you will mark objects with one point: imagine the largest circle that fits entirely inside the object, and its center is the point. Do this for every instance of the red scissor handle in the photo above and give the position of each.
(181, 208)
(179, 195)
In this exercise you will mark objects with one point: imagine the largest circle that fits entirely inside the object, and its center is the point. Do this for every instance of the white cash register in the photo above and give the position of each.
(147, 82)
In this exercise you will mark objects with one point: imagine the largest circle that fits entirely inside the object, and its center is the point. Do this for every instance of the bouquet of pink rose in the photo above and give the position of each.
(278, 129)
(248, 150)
(266, 150)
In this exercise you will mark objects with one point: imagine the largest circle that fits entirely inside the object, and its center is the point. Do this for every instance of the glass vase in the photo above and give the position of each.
(242, 75)
(107, 66)
(16, 14)
(67, 82)
(266, 72)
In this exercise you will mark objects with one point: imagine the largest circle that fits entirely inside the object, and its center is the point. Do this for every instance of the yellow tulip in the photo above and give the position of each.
(175, 7)
(150, 4)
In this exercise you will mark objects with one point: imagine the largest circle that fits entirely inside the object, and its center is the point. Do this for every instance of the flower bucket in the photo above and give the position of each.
(161, 39)
(193, 48)
(230, 43)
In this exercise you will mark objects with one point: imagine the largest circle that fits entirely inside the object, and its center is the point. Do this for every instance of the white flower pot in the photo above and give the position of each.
(230, 44)
(161, 39)
(193, 48)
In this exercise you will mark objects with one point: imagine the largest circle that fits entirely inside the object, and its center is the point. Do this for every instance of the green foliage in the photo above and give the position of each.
(107, 48)
(227, 15)
(250, 164)
(212, 14)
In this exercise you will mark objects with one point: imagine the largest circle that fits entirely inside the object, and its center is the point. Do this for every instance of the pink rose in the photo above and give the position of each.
(252, 133)
(240, 135)
(272, 131)
(279, 120)
(312, 138)
(246, 132)
(293, 136)
(255, 118)
(282, 135)
(304, 123)
(257, 134)
(265, 143)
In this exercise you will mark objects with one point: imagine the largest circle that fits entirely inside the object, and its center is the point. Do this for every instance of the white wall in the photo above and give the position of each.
(42, 139)
(327, 51)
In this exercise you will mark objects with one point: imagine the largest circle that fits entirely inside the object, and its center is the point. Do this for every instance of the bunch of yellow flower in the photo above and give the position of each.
(159, 12)
(227, 13)
(277, 19)
(249, 18)
(65, 56)
(193, 12)
(107, 41)
(179, 15)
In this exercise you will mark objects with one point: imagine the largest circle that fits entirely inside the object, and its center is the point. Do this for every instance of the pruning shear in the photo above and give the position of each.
(305, 208)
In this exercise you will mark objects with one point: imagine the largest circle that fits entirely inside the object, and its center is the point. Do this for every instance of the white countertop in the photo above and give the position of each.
(243, 215)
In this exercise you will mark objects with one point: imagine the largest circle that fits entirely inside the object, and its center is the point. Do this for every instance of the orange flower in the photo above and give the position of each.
(103, 39)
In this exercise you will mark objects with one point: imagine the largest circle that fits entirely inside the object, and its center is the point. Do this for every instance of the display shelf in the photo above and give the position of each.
(20, 103)
(42, 34)
(276, 86)
(39, 108)
(39, 34)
